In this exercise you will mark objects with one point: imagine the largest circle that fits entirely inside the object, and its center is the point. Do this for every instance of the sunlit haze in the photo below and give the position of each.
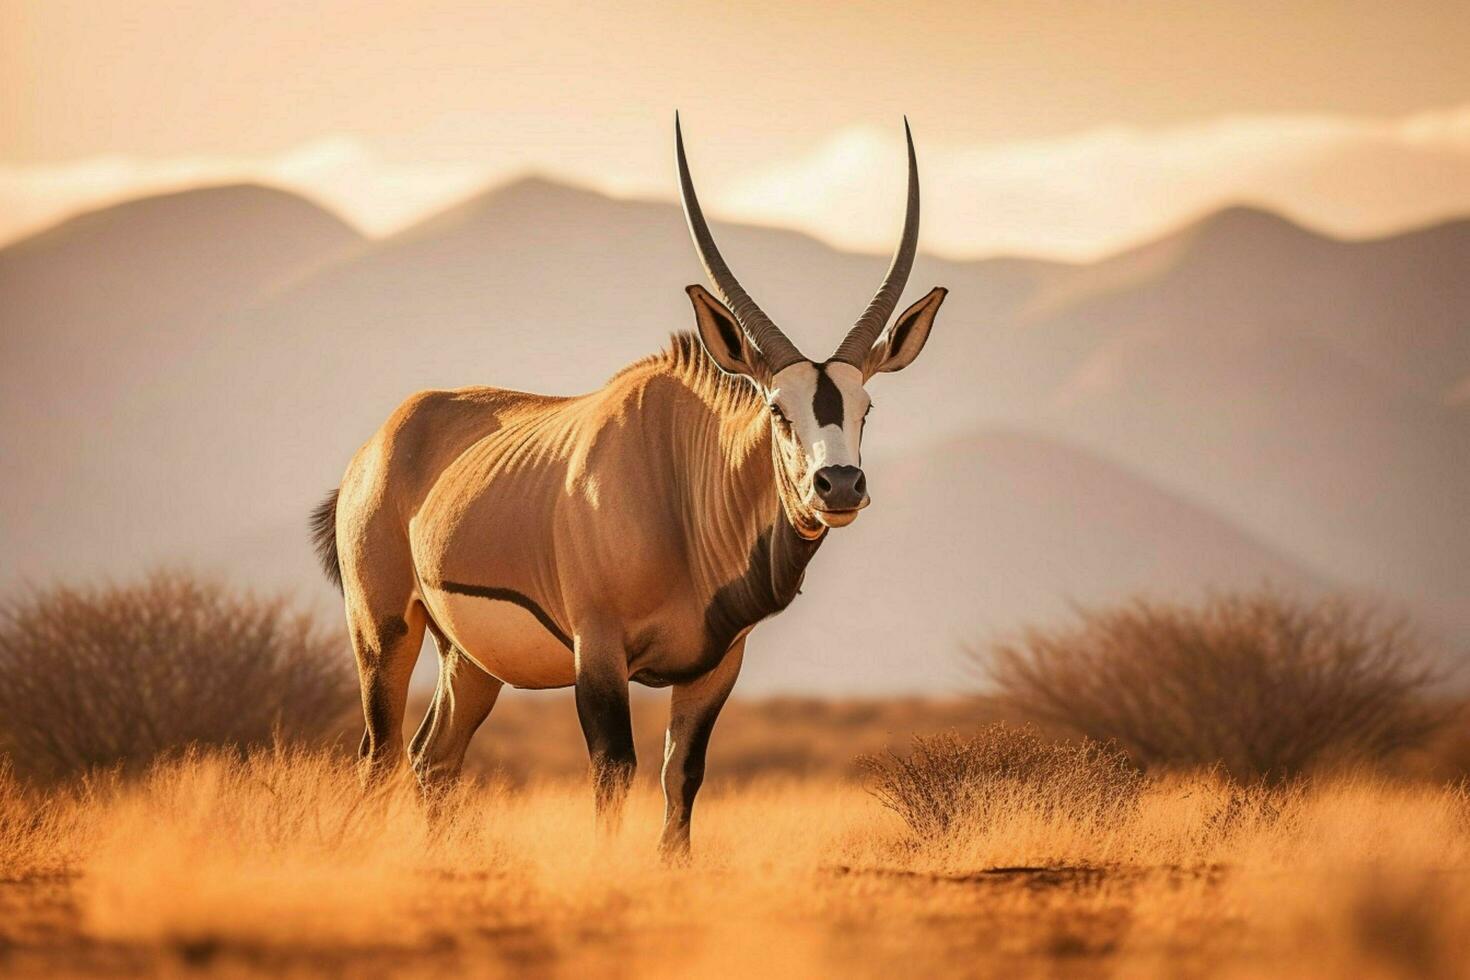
(1060, 129)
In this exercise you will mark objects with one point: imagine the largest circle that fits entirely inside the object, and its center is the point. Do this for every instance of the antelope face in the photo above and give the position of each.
(817, 409)
(817, 415)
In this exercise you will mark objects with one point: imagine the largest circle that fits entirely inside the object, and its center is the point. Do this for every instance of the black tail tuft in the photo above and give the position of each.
(324, 537)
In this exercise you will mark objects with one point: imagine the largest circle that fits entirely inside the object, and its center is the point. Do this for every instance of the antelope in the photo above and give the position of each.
(634, 534)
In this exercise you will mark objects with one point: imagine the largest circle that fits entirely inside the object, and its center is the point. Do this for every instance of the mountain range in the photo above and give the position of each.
(182, 377)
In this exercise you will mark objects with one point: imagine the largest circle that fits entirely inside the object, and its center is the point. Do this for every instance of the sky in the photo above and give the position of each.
(1059, 128)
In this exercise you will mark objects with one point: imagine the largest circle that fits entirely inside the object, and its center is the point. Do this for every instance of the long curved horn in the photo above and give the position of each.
(778, 351)
(860, 339)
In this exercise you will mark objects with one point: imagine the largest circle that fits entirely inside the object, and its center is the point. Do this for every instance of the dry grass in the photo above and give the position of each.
(277, 864)
(981, 848)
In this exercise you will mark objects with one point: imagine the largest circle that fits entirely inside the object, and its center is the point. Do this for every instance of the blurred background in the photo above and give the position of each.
(1209, 321)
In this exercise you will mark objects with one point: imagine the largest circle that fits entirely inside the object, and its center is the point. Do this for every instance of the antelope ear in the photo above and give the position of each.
(722, 337)
(901, 342)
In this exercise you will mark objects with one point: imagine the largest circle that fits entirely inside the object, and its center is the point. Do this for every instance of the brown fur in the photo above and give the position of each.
(651, 522)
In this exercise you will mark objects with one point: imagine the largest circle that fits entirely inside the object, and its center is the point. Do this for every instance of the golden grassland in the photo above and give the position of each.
(278, 863)
(533, 735)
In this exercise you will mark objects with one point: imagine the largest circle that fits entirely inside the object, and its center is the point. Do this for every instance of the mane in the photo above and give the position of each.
(686, 359)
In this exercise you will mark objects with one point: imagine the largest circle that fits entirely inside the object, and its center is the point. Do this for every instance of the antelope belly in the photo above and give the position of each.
(506, 639)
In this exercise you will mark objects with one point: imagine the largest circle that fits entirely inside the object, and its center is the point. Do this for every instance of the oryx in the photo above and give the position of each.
(635, 533)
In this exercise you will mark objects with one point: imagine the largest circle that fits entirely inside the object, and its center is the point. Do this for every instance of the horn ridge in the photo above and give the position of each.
(864, 333)
(777, 349)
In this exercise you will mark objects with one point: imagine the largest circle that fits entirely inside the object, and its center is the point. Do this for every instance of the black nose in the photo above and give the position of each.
(840, 487)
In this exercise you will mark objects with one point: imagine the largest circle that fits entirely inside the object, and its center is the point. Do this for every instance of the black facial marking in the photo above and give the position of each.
(511, 595)
(827, 402)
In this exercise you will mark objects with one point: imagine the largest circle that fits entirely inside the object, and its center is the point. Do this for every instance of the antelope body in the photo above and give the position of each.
(633, 534)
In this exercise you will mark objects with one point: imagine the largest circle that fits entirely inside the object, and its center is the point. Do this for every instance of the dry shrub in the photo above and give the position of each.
(1260, 684)
(118, 676)
(949, 783)
(1445, 756)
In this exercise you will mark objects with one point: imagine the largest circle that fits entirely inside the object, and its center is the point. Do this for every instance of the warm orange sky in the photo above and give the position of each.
(1063, 127)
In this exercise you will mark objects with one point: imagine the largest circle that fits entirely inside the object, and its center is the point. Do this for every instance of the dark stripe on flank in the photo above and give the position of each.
(510, 595)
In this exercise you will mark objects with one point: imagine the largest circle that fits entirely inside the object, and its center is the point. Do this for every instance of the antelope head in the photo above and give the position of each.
(818, 409)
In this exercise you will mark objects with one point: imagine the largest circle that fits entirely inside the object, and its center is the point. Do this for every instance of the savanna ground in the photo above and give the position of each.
(278, 863)
(1280, 793)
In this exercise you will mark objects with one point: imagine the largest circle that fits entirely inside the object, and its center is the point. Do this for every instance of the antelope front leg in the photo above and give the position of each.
(602, 707)
(693, 709)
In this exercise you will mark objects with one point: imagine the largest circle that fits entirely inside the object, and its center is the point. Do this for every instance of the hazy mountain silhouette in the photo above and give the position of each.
(161, 260)
(1275, 392)
(1296, 383)
(103, 317)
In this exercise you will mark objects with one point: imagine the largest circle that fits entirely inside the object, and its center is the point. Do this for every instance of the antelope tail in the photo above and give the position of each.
(323, 526)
